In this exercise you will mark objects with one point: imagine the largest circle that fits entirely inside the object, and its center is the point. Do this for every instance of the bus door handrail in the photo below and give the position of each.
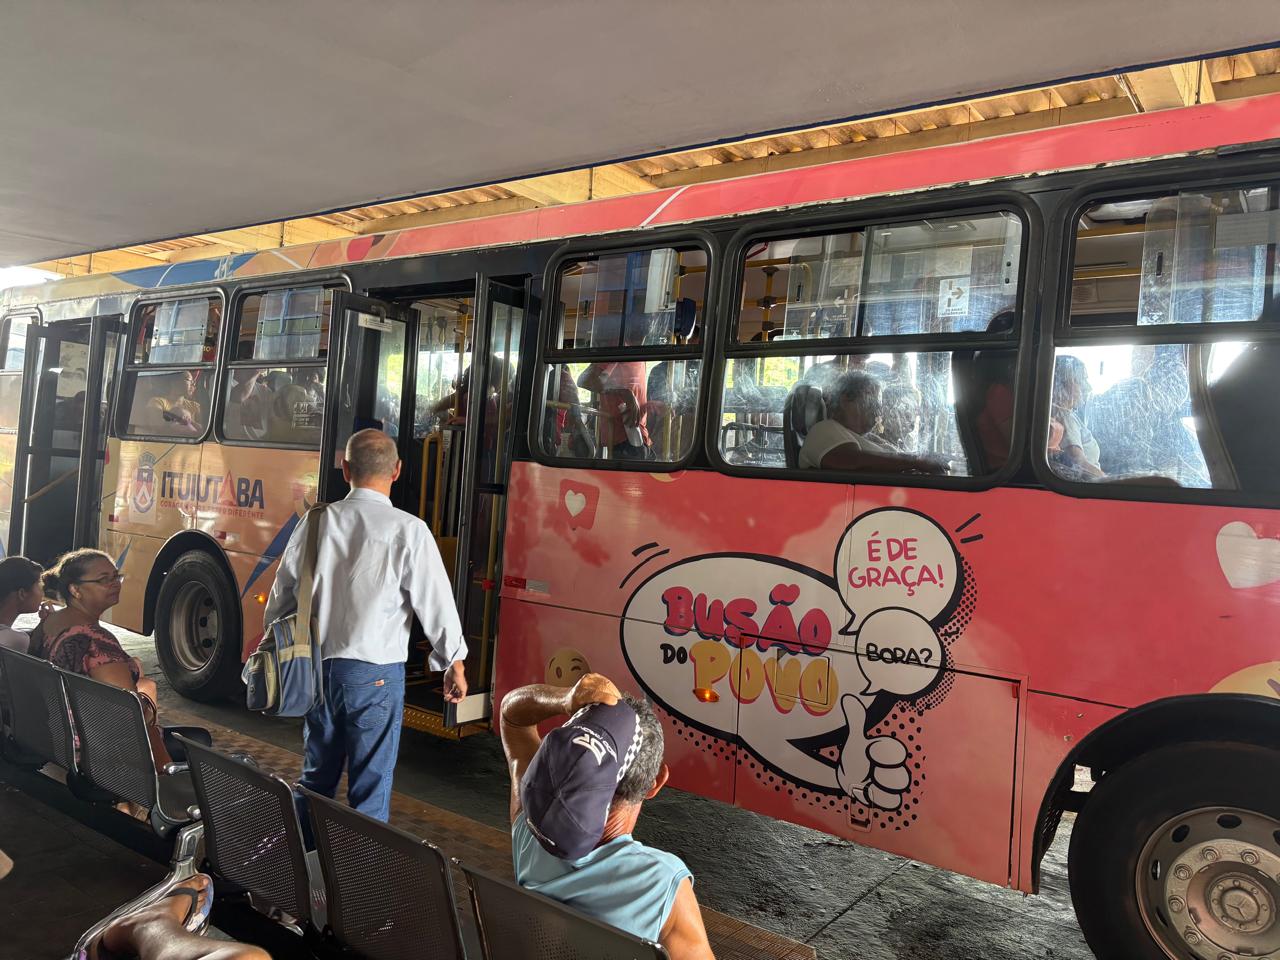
(50, 485)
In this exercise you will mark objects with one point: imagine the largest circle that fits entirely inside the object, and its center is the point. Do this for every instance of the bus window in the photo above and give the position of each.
(444, 360)
(276, 382)
(943, 275)
(167, 390)
(626, 404)
(1184, 415)
(169, 403)
(927, 412)
(276, 405)
(291, 323)
(15, 348)
(178, 331)
(1170, 409)
(1189, 257)
(943, 408)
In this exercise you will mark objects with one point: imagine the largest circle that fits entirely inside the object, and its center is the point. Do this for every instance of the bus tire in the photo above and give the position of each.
(1177, 854)
(198, 628)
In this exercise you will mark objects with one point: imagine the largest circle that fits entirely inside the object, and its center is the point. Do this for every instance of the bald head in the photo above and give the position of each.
(372, 458)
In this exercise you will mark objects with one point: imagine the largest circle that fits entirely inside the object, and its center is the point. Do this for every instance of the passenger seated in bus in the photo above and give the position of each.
(900, 415)
(846, 440)
(1078, 453)
(174, 409)
(20, 592)
(293, 415)
(73, 638)
(575, 798)
(1139, 424)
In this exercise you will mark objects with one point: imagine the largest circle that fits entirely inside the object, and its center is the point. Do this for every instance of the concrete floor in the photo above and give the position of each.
(66, 877)
(847, 901)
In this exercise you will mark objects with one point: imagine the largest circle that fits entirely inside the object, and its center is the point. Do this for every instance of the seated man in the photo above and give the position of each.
(575, 798)
(846, 440)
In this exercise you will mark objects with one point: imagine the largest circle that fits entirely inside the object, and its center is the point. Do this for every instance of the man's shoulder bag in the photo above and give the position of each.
(284, 677)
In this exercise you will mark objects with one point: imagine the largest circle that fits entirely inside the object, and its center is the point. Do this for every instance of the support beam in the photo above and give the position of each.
(617, 181)
(206, 252)
(571, 187)
(105, 261)
(463, 211)
(942, 136)
(1160, 88)
(1248, 86)
(579, 185)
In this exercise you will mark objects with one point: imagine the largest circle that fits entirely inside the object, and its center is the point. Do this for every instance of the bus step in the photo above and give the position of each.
(432, 722)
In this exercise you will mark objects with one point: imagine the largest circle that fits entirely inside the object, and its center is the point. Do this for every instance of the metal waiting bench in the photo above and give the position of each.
(39, 723)
(385, 894)
(97, 733)
(518, 924)
(253, 840)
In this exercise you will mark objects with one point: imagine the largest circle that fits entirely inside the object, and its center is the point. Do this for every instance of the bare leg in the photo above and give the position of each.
(148, 686)
(156, 933)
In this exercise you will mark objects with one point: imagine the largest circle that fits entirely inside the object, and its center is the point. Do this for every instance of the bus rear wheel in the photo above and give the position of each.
(1177, 855)
(198, 628)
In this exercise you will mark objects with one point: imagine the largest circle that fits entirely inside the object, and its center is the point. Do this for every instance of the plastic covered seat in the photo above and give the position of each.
(388, 893)
(518, 924)
(804, 407)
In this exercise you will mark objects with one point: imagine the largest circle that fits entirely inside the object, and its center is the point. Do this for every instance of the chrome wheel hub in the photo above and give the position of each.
(1208, 885)
(193, 626)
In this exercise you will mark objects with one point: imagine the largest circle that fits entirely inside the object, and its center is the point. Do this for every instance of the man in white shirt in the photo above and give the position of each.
(846, 441)
(377, 567)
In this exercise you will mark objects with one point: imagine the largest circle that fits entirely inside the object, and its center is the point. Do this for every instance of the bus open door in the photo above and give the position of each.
(69, 366)
(467, 363)
(438, 375)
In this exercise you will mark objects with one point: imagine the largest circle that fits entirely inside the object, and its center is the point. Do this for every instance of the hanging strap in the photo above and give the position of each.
(307, 576)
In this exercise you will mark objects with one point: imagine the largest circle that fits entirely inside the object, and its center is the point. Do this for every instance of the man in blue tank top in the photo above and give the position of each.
(575, 798)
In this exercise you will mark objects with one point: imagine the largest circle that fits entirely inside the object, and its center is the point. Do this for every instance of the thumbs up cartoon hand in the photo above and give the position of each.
(873, 770)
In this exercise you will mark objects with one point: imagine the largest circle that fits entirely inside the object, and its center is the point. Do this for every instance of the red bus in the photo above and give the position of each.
(908, 487)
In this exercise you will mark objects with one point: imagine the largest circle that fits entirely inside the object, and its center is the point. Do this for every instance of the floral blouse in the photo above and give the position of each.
(81, 649)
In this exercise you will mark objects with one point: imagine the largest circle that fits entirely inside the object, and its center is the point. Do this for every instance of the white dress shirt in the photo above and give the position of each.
(376, 567)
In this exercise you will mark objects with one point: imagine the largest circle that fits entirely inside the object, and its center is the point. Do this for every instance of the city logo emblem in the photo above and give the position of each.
(144, 484)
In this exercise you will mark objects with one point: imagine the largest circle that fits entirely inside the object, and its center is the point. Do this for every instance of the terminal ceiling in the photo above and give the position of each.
(131, 122)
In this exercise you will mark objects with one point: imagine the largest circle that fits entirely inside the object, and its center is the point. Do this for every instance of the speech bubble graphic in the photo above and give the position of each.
(894, 557)
(900, 652)
(746, 648)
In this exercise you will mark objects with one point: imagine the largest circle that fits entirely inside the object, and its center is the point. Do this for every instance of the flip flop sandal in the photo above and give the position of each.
(196, 919)
(198, 913)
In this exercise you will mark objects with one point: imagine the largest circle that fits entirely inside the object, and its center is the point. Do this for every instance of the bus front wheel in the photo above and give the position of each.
(1176, 854)
(198, 628)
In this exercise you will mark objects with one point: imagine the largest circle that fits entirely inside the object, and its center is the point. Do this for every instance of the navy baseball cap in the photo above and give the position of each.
(569, 786)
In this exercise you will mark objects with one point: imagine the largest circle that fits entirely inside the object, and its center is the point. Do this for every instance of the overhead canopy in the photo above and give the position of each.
(121, 123)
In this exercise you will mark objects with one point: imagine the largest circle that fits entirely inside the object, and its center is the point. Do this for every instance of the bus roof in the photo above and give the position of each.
(1097, 143)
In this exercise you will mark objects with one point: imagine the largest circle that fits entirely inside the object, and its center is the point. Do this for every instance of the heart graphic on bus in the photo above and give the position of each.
(579, 501)
(799, 666)
(1246, 559)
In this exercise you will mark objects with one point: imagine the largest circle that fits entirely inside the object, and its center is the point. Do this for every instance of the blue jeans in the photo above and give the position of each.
(358, 726)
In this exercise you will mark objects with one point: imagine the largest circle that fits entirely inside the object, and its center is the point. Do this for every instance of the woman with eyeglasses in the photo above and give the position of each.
(73, 639)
